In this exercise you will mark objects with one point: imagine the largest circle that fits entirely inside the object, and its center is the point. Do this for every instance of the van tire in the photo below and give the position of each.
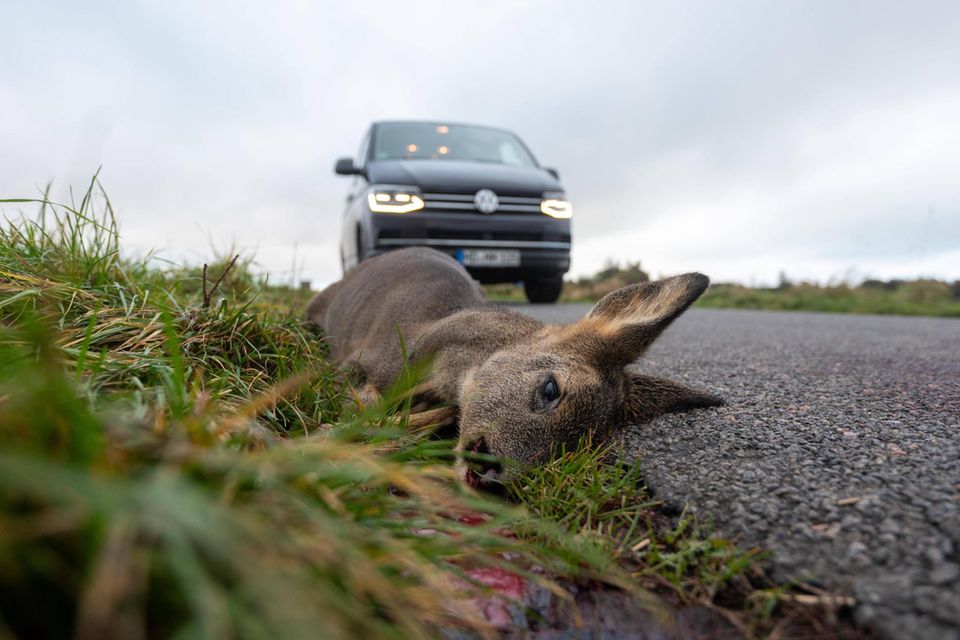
(543, 289)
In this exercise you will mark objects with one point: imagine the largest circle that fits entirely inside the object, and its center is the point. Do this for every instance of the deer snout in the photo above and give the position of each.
(481, 469)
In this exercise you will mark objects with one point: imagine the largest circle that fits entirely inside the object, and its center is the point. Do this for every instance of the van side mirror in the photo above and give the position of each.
(345, 167)
(553, 172)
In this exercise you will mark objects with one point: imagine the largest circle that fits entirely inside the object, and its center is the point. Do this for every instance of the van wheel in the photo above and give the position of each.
(543, 289)
(361, 252)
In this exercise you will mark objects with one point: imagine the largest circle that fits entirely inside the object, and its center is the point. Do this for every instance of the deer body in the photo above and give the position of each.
(522, 387)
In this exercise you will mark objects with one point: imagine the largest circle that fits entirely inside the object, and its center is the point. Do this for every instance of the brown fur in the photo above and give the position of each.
(493, 363)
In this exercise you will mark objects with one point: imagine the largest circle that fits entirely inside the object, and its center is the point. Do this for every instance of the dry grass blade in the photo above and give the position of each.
(119, 576)
(428, 420)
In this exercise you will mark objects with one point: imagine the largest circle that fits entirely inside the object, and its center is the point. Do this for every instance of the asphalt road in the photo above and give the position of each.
(839, 450)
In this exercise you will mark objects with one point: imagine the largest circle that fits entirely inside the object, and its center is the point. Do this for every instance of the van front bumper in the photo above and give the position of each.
(543, 242)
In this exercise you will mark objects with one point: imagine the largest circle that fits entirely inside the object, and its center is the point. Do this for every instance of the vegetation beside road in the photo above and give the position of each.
(897, 297)
(922, 297)
(178, 458)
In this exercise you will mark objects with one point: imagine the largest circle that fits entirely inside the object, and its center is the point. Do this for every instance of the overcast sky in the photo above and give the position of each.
(735, 138)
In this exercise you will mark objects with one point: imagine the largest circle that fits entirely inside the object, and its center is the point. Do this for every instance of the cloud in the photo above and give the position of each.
(737, 138)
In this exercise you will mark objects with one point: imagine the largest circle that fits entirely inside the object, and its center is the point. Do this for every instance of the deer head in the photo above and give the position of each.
(560, 383)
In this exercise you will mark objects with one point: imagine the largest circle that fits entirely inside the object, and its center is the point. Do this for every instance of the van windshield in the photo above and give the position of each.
(434, 141)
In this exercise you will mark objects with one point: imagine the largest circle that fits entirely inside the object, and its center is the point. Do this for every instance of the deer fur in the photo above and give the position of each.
(495, 364)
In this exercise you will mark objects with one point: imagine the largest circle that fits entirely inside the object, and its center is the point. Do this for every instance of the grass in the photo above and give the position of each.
(923, 297)
(176, 459)
(605, 503)
(912, 298)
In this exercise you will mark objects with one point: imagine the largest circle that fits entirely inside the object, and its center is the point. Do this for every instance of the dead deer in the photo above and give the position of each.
(522, 388)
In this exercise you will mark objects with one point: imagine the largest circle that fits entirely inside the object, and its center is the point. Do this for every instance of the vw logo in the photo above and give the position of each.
(486, 201)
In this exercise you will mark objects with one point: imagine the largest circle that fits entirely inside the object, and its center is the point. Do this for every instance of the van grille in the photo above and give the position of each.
(463, 203)
(463, 234)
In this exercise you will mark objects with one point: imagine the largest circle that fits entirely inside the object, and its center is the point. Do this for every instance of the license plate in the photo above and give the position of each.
(489, 257)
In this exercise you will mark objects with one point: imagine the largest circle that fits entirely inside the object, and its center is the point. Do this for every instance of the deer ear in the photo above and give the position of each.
(650, 396)
(626, 321)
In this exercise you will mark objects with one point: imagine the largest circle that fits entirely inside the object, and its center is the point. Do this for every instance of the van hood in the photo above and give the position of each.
(461, 176)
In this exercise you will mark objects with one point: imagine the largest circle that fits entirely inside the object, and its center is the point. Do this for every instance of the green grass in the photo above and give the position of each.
(914, 298)
(588, 496)
(597, 500)
(924, 297)
(175, 464)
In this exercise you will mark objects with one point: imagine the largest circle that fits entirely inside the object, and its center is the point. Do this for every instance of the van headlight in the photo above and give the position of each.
(394, 201)
(556, 207)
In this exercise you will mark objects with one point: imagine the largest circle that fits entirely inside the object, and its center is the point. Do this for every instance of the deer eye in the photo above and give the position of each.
(550, 391)
(546, 395)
